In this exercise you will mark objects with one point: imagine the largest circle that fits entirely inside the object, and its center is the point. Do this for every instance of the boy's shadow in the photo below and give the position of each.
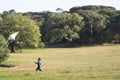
(6, 65)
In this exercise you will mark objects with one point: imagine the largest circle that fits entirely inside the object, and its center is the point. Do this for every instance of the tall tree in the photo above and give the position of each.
(0, 21)
(94, 22)
(97, 8)
(63, 26)
(12, 11)
(114, 28)
(29, 35)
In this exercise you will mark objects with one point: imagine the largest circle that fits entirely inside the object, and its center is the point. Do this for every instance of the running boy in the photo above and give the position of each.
(38, 64)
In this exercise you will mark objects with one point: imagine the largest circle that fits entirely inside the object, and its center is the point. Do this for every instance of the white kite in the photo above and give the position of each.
(13, 36)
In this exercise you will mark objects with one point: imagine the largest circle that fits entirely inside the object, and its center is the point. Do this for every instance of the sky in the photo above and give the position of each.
(51, 5)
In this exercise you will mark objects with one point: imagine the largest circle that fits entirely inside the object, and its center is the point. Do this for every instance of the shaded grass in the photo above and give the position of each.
(84, 63)
(6, 66)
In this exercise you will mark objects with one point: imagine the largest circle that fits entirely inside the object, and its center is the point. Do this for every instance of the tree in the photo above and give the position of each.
(12, 11)
(94, 23)
(41, 18)
(29, 34)
(3, 49)
(96, 8)
(114, 28)
(63, 27)
(5, 13)
(0, 21)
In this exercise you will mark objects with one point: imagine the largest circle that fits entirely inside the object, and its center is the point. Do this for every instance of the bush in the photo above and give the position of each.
(3, 49)
(41, 44)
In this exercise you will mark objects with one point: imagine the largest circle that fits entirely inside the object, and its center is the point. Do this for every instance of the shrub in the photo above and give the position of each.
(3, 49)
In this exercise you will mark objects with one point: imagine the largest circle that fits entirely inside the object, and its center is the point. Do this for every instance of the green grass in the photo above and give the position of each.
(82, 63)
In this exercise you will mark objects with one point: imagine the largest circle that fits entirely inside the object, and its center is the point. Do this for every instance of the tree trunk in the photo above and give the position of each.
(91, 35)
(12, 47)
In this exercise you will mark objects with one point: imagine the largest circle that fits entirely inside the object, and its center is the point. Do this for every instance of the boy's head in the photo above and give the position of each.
(39, 59)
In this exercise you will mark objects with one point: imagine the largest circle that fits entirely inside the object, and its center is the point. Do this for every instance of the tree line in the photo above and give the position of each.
(86, 25)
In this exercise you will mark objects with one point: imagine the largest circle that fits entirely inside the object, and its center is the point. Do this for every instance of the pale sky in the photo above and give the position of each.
(51, 5)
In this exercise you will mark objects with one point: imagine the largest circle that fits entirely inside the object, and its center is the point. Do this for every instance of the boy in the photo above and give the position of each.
(38, 64)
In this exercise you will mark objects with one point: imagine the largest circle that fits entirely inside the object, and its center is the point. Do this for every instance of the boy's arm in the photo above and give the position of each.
(35, 62)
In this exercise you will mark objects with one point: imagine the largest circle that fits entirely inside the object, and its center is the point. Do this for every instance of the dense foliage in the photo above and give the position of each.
(4, 51)
(29, 34)
(93, 8)
(63, 27)
(114, 29)
(94, 24)
(81, 25)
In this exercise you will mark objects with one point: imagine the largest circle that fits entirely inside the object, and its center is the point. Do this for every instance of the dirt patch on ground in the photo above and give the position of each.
(24, 67)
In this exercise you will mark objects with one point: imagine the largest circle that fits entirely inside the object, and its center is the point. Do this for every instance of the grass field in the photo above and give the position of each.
(81, 63)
